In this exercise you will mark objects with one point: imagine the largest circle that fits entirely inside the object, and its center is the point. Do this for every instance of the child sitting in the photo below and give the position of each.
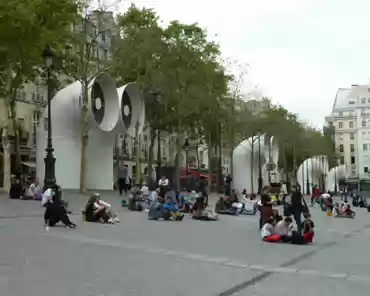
(171, 207)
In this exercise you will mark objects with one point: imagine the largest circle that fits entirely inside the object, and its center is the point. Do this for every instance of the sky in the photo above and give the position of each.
(299, 52)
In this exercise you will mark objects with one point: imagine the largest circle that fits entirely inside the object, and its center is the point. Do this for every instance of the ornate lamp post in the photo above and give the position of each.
(307, 181)
(49, 180)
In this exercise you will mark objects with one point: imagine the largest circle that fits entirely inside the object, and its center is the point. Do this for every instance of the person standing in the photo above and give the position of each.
(163, 184)
(124, 183)
(228, 181)
(298, 204)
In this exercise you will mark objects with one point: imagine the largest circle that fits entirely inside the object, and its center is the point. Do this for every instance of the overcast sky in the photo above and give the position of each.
(299, 51)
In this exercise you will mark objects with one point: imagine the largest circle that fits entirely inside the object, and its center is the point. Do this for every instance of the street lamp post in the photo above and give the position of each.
(302, 184)
(186, 148)
(335, 180)
(307, 181)
(259, 166)
(49, 180)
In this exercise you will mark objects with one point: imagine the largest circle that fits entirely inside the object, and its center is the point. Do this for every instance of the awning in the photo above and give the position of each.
(29, 164)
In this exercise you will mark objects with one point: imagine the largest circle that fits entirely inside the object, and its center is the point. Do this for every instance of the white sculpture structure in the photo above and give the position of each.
(105, 117)
(246, 162)
(335, 175)
(312, 170)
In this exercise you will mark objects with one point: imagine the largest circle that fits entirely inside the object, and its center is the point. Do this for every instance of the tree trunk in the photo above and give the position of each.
(84, 137)
(5, 136)
(6, 158)
(150, 158)
(159, 155)
(252, 165)
(177, 157)
(210, 167)
(137, 156)
(17, 144)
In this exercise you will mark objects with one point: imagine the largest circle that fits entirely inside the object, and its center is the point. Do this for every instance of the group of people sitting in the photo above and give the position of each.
(275, 228)
(235, 205)
(32, 191)
(281, 230)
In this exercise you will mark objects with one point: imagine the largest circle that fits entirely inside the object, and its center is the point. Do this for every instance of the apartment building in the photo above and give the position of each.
(350, 117)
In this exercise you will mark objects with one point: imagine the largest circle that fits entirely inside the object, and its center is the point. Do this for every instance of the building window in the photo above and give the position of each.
(364, 147)
(352, 147)
(366, 169)
(340, 124)
(363, 123)
(351, 102)
(340, 113)
(341, 148)
(342, 159)
(352, 136)
(354, 173)
(351, 125)
(363, 101)
(353, 160)
(368, 100)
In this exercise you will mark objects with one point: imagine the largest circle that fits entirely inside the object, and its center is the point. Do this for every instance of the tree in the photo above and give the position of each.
(142, 41)
(85, 64)
(170, 65)
(26, 27)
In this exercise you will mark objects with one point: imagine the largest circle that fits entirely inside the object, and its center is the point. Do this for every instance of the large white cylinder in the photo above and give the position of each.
(246, 158)
(312, 171)
(103, 114)
(336, 175)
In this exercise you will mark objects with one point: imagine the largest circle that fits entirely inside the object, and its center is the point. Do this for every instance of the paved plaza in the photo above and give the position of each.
(156, 258)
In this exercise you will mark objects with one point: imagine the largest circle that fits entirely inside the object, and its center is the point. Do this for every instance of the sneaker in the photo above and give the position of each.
(116, 219)
(47, 228)
(111, 221)
(66, 226)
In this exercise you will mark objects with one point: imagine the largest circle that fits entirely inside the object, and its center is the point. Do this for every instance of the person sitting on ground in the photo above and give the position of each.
(284, 229)
(307, 228)
(156, 209)
(136, 203)
(34, 190)
(96, 214)
(145, 191)
(153, 196)
(55, 212)
(101, 203)
(277, 217)
(268, 231)
(172, 209)
(244, 193)
(16, 190)
(221, 206)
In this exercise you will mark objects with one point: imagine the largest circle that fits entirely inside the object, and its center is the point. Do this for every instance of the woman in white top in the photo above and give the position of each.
(163, 186)
(268, 232)
(34, 191)
(108, 208)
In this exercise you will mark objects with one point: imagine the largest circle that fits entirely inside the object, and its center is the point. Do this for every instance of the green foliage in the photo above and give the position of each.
(26, 27)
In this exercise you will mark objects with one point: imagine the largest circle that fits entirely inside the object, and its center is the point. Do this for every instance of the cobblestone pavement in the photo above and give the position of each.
(156, 258)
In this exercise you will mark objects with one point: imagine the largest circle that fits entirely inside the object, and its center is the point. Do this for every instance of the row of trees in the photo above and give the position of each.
(182, 75)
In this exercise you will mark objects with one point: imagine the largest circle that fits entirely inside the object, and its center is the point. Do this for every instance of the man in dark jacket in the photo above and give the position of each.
(298, 204)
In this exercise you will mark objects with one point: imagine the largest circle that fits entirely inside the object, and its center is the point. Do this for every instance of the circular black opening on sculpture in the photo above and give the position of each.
(126, 109)
(97, 102)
